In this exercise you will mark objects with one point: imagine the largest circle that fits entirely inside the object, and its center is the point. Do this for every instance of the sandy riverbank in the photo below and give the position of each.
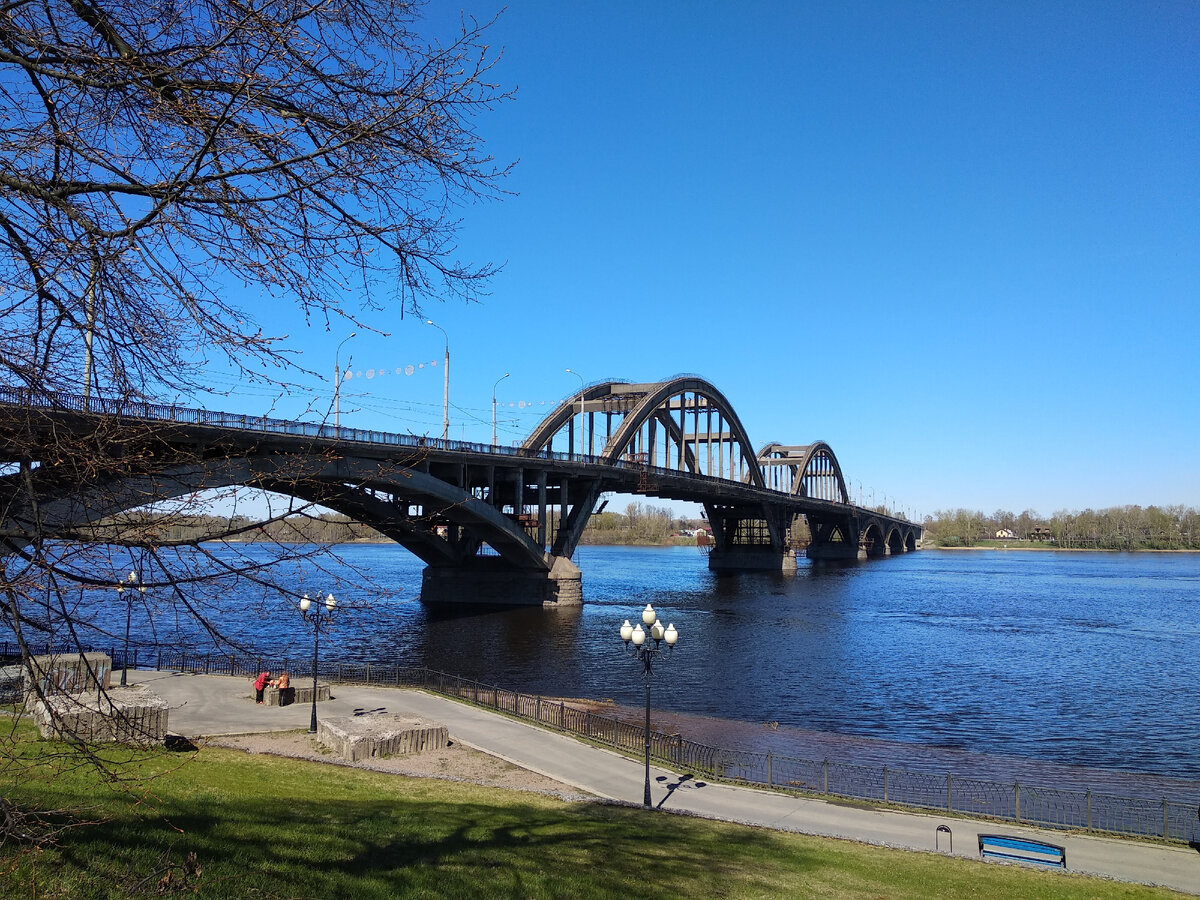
(456, 762)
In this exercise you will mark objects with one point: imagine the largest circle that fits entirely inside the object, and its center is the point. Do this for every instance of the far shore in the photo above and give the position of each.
(1064, 549)
(1020, 548)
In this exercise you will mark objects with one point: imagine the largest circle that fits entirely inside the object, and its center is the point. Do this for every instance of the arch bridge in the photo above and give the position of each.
(493, 524)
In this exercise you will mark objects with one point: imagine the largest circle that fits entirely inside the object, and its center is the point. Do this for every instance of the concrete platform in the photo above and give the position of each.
(128, 715)
(368, 736)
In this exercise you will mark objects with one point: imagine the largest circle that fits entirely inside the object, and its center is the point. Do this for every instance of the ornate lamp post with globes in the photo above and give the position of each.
(645, 655)
(132, 583)
(318, 620)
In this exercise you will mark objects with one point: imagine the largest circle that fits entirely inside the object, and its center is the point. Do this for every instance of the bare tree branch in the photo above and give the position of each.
(149, 154)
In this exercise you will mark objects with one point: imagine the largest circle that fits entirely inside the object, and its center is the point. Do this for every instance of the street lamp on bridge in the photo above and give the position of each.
(494, 386)
(337, 376)
(582, 414)
(318, 620)
(445, 383)
(645, 654)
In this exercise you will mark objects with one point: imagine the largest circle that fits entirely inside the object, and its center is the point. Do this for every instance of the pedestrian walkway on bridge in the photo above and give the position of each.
(209, 705)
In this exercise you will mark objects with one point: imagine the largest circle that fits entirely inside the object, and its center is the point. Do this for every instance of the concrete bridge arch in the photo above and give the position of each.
(369, 491)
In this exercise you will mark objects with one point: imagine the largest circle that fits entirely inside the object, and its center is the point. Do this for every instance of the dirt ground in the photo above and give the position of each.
(454, 763)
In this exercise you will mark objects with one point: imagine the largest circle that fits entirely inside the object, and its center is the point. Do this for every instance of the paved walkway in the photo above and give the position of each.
(204, 705)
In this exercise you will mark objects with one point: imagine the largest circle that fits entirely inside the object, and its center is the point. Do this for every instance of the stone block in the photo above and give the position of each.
(128, 715)
(12, 683)
(274, 696)
(304, 692)
(297, 693)
(72, 673)
(365, 737)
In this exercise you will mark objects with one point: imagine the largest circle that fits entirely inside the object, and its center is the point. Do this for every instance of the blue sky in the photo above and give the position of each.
(958, 242)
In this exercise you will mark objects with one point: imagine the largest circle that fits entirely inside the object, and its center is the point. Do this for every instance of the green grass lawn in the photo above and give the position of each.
(266, 827)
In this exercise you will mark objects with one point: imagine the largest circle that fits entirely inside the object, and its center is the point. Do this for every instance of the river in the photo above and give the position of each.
(987, 658)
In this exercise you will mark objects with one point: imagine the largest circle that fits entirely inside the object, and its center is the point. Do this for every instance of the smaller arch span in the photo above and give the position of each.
(812, 471)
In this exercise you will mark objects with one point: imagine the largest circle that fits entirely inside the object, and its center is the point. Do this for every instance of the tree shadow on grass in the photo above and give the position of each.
(398, 846)
(261, 827)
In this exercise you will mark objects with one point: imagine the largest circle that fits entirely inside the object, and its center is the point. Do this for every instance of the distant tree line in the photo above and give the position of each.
(327, 528)
(639, 525)
(1116, 528)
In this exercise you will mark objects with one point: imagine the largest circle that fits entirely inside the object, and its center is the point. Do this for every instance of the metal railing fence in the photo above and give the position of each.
(1167, 818)
(1174, 820)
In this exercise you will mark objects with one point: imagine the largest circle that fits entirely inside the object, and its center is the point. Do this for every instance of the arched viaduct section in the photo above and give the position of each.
(684, 423)
(492, 524)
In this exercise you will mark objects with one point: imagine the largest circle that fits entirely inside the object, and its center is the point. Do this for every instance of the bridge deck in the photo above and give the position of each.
(237, 432)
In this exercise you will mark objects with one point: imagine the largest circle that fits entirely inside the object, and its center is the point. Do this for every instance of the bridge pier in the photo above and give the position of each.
(749, 539)
(836, 539)
(751, 559)
(835, 551)
(491, 581)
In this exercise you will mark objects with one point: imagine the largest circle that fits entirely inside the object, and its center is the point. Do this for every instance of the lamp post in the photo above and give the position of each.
(645, 655)
(337, 376)
(494, 386)
(317, 619)
(582, 415)
(445, 382)
(132, 581)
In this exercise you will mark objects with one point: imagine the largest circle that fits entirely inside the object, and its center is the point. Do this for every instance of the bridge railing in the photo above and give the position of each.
(158, 412)
(183, 415)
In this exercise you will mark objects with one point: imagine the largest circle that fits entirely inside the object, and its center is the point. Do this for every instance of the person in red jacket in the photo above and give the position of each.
(260, 684)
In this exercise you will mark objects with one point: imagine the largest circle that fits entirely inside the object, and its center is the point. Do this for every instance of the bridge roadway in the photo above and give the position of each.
(492, 523)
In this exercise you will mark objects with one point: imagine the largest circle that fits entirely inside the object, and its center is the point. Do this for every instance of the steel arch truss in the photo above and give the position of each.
(811, 471)
(684, 424)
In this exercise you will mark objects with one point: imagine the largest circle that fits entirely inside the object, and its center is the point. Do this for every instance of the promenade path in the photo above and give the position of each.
(207, 705)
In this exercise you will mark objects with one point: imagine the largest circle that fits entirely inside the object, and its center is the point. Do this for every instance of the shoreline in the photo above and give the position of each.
(677, 544)
(1061, 549)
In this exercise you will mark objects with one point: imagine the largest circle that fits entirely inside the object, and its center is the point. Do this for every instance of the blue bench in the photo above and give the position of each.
(1016, 849)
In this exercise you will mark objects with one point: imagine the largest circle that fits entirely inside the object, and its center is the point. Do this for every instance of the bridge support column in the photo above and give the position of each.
(491, 581)
(751, 559)
(834, 541)
(749, 540)
(835, 551)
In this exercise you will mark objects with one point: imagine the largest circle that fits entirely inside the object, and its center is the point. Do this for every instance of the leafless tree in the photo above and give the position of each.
(155, 156)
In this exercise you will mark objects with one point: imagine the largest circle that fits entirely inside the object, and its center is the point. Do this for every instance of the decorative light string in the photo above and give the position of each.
(409, 369)
(412, 369)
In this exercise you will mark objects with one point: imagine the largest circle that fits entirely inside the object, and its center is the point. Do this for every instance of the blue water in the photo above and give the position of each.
(1077, 659)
